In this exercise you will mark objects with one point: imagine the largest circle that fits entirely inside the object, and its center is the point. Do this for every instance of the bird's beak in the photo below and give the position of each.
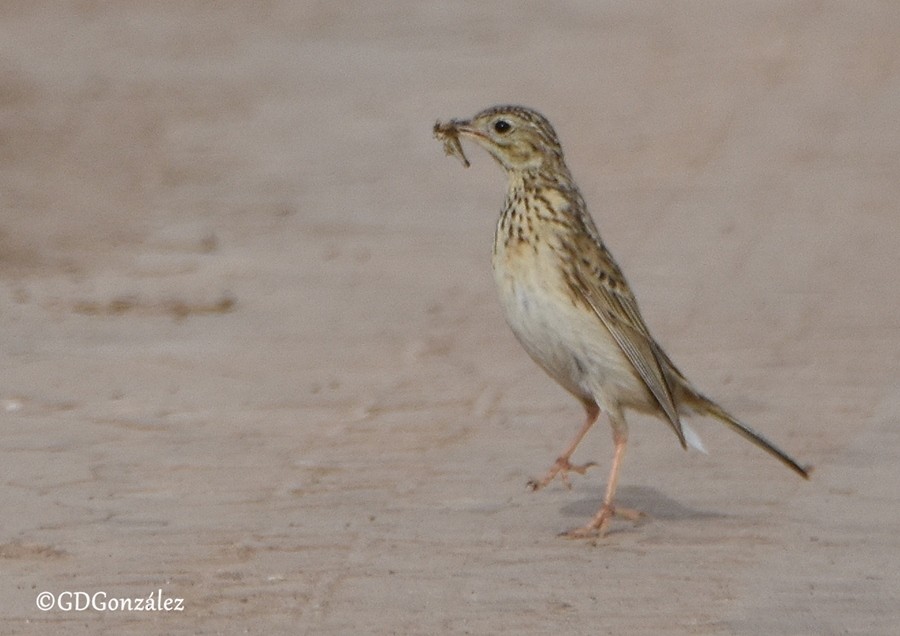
(465, 128)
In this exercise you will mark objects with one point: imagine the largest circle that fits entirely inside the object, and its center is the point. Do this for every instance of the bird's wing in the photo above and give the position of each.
(598, 281)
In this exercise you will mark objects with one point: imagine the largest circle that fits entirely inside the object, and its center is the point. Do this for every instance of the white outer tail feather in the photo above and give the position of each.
(693, 440)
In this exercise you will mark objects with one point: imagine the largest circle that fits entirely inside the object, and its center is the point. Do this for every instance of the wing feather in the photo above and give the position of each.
(600, 284)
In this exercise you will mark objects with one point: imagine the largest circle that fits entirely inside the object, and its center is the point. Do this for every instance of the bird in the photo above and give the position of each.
(568, 303)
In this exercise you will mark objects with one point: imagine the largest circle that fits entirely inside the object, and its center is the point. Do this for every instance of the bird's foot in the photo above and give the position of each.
(597, 526)
(562, 468)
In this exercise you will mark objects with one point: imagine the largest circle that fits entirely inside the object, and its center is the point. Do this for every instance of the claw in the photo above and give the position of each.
(598, 525)
(562, 468)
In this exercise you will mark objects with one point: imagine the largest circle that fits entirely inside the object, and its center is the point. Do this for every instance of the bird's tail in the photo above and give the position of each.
(704, 406)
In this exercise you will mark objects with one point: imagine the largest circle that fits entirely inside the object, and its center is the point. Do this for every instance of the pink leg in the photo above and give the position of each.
(598, 525)
(562, 466)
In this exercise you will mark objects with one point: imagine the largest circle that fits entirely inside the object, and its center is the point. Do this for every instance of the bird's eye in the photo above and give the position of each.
(502, 126)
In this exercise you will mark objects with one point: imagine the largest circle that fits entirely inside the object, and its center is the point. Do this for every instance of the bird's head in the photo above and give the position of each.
(519, 138)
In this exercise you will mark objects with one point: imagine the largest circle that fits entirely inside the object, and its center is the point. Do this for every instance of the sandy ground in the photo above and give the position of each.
(252, 358)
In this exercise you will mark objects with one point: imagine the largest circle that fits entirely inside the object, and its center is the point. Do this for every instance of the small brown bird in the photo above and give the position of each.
(569, 305)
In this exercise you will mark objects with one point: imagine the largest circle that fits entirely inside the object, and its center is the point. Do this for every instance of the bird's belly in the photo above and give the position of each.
(567, 339)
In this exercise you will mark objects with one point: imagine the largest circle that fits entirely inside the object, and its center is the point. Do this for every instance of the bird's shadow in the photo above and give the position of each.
(649, 501)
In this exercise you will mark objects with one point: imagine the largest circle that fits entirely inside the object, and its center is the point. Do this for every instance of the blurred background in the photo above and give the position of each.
(251, 352)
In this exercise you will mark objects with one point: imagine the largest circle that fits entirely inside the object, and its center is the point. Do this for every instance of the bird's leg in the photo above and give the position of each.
(562, 467)
(597, 526)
